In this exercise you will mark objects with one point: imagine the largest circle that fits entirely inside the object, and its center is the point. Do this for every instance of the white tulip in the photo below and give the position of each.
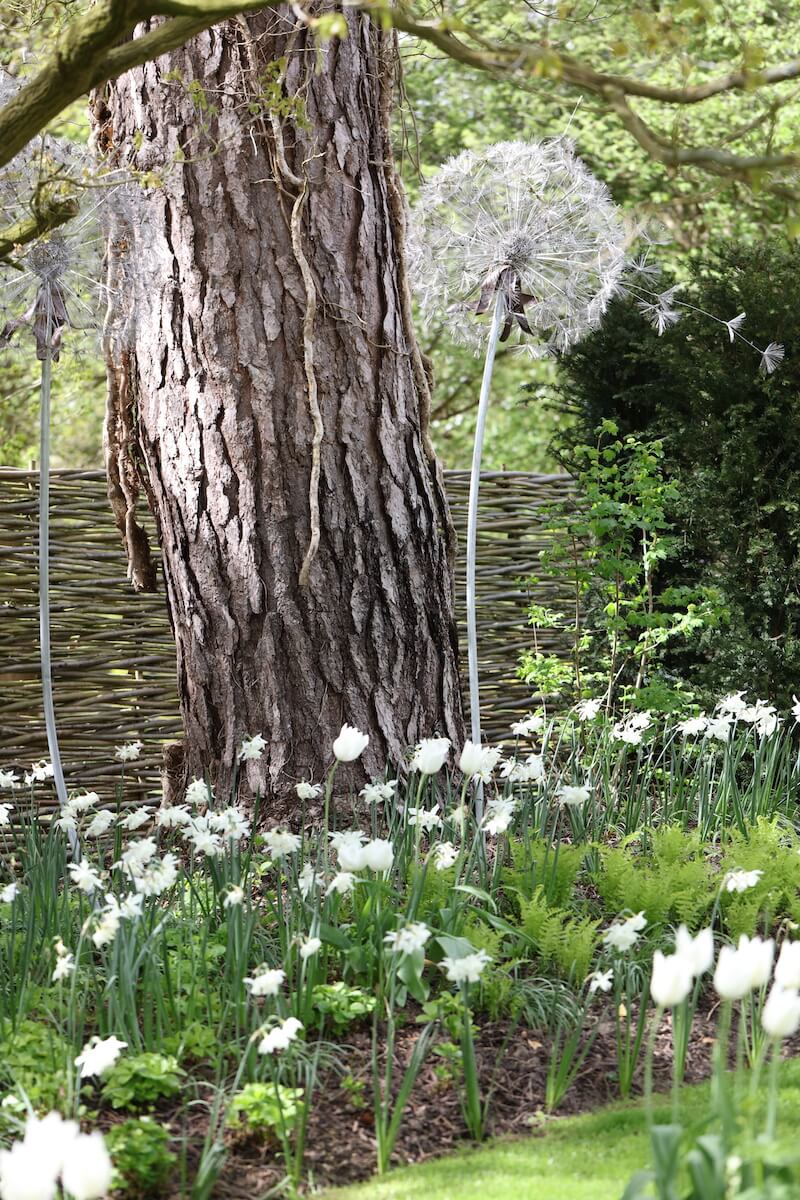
(787, 968)
(350, 743)
(430, 755)
(671, 980)
(379, 855)
(87, 1167)
(781, 1013)
(697, 951)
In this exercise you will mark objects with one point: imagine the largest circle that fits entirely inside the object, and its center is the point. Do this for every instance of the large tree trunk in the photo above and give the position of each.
(265, 308)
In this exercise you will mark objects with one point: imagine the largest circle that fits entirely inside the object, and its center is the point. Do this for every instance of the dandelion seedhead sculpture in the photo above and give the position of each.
(522, 231)
(47, 287)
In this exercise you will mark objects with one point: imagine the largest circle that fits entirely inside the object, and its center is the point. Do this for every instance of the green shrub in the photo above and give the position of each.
(139, 1150)
(265, 1108)
(341, 1004)
(35, 1059)
(731, 445)
(140, 1080)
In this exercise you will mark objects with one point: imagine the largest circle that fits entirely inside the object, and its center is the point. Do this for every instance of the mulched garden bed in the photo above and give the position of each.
(341, 1143)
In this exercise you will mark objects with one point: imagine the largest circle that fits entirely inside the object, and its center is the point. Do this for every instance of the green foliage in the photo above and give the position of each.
(668, 880)
(542, 864)
(265, 1108)
(730, 438)
(770, 846)
(610, 543)
(341, 1004)
(139, 1150)
(564, 942)
(35, 1060)
(141, 1080)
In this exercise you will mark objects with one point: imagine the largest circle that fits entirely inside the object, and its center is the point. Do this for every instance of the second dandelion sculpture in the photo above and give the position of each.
(519, 243)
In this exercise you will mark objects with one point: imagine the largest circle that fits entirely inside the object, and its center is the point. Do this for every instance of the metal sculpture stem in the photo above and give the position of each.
(472, 527)
(44, 594)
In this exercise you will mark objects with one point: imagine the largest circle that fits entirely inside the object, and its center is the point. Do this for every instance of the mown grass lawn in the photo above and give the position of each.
(577, 1158)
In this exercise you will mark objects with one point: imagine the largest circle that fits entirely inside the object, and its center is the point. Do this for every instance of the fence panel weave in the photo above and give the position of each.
(113, 655)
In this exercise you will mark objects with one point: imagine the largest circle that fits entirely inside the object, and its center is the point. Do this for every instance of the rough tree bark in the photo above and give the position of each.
(264, 308)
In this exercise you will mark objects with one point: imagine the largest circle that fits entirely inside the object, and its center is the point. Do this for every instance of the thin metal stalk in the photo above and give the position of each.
(472, 534)
(44, 595)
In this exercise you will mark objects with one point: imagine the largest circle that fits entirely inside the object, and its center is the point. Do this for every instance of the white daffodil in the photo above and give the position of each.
(410, 938)
(265, 982)
(252, 748)
(280, 1037)
(601, 981)
(467, 969)
(587, 710)
(445, 855)
(307, 791)
(128, 752)
(280, 842)
(739, 880)
(99, 1056)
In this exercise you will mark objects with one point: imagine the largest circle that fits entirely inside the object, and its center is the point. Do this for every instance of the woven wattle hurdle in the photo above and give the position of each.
(113, 655)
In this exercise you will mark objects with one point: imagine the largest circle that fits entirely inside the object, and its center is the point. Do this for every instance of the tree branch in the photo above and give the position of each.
(56, 213)
(95, 47)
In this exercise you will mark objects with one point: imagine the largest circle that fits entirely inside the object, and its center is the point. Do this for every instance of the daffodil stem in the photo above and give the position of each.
(44, 595)
(472, 534)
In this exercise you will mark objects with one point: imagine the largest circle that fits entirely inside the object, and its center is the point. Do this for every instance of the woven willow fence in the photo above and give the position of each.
(113, 656)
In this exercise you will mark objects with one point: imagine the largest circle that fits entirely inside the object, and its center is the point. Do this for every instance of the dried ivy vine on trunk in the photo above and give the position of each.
(265, 328)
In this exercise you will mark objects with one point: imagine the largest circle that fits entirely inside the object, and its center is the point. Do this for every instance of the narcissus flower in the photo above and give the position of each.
(252, 748)
(624, 934)
(281, 842)
(739, 880)
(601, 981)
(309, 947)
(445, 855)
(410, 938)
(234, 898)
(198, 792)
(99, 1056)
(573, 796)
(467, 969)
(84, 876)
(265, 982)
(129, 752)
(9, 893)
(307, 791)
(499, 815)
(280, 1037)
